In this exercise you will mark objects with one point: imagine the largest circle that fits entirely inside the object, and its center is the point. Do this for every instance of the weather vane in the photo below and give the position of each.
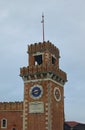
(43, 26)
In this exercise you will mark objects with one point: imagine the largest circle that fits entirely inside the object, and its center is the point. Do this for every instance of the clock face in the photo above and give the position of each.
(36, 91)
(57, 94)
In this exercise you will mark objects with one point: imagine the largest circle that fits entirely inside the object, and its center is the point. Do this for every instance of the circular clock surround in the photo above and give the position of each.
(36, 91)
(57, 94)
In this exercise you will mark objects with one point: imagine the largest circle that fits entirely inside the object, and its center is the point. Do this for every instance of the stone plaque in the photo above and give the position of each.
(36, 107)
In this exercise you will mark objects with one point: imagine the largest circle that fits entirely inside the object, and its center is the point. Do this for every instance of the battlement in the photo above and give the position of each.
(42, 47)
(33, 70)
(11, 106)
(43, 59)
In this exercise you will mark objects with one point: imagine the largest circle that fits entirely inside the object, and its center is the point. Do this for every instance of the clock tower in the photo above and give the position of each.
(43, 105)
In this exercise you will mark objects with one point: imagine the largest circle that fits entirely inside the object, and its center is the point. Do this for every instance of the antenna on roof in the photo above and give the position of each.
(43, 26)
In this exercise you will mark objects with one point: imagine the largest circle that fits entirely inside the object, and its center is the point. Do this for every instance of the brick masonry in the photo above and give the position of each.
(13, 113)
(44, 112)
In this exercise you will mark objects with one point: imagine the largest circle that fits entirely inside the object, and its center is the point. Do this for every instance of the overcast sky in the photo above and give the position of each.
(20, 25)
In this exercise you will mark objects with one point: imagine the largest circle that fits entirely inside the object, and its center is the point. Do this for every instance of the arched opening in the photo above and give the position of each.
(4, 123)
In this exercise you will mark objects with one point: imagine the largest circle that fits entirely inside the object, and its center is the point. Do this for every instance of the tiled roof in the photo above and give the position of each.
(72, 123)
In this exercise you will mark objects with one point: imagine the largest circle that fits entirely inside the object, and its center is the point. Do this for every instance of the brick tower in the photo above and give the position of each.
(43, 105)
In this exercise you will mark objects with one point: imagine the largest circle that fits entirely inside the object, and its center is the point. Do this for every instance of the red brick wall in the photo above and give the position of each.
(40, 121)
(14, 119)
(12, 112)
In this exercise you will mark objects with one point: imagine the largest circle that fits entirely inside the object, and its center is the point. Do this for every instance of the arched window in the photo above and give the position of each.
(4, 123)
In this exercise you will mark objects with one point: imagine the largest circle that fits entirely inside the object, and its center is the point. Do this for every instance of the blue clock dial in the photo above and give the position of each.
(36, 91)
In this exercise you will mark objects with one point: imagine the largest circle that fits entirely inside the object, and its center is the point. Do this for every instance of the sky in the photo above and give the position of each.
(20, 25)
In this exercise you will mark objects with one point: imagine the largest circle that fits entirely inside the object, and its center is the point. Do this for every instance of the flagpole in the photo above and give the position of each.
(43, 26)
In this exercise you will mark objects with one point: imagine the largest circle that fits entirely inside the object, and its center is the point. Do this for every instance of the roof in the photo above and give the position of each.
(72, 123)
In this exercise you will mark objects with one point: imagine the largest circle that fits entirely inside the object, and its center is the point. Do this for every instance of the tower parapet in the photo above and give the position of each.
(43, 62)
(11, 106)
(42, 47)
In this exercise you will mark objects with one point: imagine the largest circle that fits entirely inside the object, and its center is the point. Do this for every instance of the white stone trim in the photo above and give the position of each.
(57, 89)
(46, 104)
(46, 113)
(25, 115)
(38, 53)
(36, 107)
(37, 80)
(46, 127)
(46, 108)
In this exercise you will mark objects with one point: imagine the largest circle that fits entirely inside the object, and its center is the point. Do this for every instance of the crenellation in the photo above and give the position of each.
(36, 71)
(11, 106)
(42, 47)
(42, 68)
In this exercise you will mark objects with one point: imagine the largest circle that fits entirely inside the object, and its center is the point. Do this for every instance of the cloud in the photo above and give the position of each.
(20, 25)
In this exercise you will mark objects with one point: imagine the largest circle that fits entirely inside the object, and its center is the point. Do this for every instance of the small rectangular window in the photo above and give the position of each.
(53, 60)
(38, 59)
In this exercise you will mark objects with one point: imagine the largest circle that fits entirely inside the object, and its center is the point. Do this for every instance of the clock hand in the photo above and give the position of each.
(36, 91)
